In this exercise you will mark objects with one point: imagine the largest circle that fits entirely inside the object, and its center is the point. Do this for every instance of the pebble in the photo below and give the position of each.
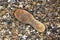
(9, 6)
(38, 4)
(24, 36)
(54, 29)
(21, 6)
(33, 30)
(27, 6)
(43, 2)
(6, 39)
(19, 34)
(58, 25)
(0, 38)
(4, 16)
(34, 3)
(13, 24)
(36, 17)
(11, 1)
(10, 32)
(1, 7)
(29, 26)
(48, 32)
(9, 22)
(7, 14)
(28, 32)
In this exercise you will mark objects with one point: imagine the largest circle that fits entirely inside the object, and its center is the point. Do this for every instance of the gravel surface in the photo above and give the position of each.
(46, 11)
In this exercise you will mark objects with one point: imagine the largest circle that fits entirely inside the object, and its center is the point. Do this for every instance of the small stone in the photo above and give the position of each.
(3, 31)
(34, 3)
(13, 24)
(38, 12)
(33, 31)
(27, 6)
(58, 25)
(21, 2)
(38, 3)
(48, 32)
(9, 32)
(29, 26)
(28, 32)
(1, 7)
(9, 0)
(58, 17)
(37, 32)
(59, 32)
(36, 17)
(4, 16)
(44, 2)
(12, 1)
(0, 38)
(8, 22)
(54, 29)
(6, 39)
(49, 27)
(19, 34)
(9, 6)
(21, 5)
(37, 39)
(24, 36)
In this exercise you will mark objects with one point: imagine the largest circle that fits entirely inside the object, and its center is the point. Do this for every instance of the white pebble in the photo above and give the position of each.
(24, 36)
(36, 17)
(11, 1)
(37, 39)
(48, 0)
(38, 3)
(1, 7)
(37, 32)
(48, 32)
(4, 16)
(52, 27)
(32, 31)
(9, 32)
(29, 26)
(21, 6)
(38, 11)
(19, 34)
(28, 32)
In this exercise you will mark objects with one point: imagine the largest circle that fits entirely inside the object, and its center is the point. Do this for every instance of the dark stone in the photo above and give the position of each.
(53, 1)
(49, 27)
(58, 38)
(54, 30)
(9, 22)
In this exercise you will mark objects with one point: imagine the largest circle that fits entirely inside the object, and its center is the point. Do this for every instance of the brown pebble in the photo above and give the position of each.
(3, 12)
(6, 39)
(27, 18)
(34, 3)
